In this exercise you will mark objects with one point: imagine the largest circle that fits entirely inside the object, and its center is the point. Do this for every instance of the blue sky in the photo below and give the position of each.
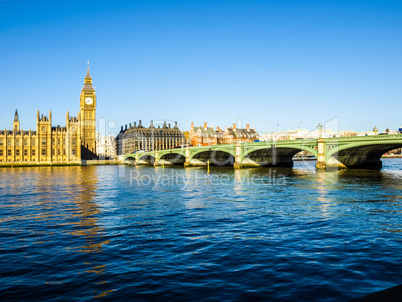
(269, 63)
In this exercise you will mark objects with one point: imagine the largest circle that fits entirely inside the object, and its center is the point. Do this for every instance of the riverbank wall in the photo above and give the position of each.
(48, 164)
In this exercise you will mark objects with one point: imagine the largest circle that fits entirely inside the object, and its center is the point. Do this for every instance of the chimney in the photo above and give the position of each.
(135, 124)
(218, 129)
(205, 126)
(130, 125)
(248, 126)
(192, 125)
(126, 127)
(234, 126)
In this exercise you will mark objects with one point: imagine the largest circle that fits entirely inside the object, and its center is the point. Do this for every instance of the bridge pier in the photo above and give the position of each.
(156, 162)
(238, 164)
(187, 162)
(321, 164)
(162, 162)
(195, 163)
(142, 162)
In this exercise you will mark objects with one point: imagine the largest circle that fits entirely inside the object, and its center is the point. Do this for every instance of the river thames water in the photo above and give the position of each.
(143, 233)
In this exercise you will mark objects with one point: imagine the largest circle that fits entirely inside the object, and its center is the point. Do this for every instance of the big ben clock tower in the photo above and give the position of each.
(87, 117)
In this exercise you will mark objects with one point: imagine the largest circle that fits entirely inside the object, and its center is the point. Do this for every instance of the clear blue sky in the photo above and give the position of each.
(287, 63)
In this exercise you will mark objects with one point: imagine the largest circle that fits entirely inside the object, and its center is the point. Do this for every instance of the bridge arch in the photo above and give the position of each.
(147, 159)
(274, 155)
(173, 158)
(216, 157)
(130, 159)
(359, 154)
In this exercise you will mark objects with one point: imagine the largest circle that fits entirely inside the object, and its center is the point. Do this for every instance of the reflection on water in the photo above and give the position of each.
(184, 234)
(57, 205)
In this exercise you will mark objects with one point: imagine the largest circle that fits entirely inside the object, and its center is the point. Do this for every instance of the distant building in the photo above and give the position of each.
(135, 138)
(201, 136)
(234, 135)
(284, 135)
(204, 136)
(347, 133)
(296, 134)
(106, 146)
(305, 134)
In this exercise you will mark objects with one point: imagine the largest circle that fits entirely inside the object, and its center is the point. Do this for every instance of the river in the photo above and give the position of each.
(143, 233)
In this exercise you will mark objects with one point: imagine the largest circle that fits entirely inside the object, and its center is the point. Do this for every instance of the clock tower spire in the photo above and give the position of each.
(88, 75)
(88, 118)
(16, 124)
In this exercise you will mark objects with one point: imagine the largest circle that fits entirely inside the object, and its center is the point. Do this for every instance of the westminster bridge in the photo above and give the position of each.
(338, 152)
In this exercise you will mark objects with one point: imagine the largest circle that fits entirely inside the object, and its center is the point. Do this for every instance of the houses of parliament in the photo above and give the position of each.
(54, 145)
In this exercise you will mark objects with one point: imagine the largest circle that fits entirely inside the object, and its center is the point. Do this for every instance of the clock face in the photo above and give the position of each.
(88, 101)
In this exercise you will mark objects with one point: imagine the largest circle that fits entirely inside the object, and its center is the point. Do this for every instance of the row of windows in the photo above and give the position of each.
(17, 159)
(17, 152)
(17, 142)
(33, 159)
(59, 141)
(33, 142)
(43, 152)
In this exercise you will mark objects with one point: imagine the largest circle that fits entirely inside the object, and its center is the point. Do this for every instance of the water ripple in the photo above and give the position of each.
(88, 233)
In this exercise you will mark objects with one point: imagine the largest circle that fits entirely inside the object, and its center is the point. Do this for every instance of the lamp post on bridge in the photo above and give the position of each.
(321, 150)
(319, 127)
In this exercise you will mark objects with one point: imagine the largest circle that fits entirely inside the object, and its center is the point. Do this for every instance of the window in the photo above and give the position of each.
(1, 152)
(73, 151)
(17, 152)
(64, 142)
(43, 151)
(33, 151)
(25, 142)
(43, 141)
(53, 141)
(58, 141)
(17, 142)
(73, 141)
(25, 152)
(9, 142)
(54, 152)
(33, 142)
(58, 152)
(1, 142)
(9, 152)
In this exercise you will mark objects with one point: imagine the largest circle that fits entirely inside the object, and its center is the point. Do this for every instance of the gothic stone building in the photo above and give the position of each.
(48, 144)
(135, 138)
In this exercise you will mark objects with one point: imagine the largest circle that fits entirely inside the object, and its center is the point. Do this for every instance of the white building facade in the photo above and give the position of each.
(106, 146)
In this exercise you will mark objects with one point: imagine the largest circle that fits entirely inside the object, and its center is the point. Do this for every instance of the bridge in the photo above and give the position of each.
(338, 152)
